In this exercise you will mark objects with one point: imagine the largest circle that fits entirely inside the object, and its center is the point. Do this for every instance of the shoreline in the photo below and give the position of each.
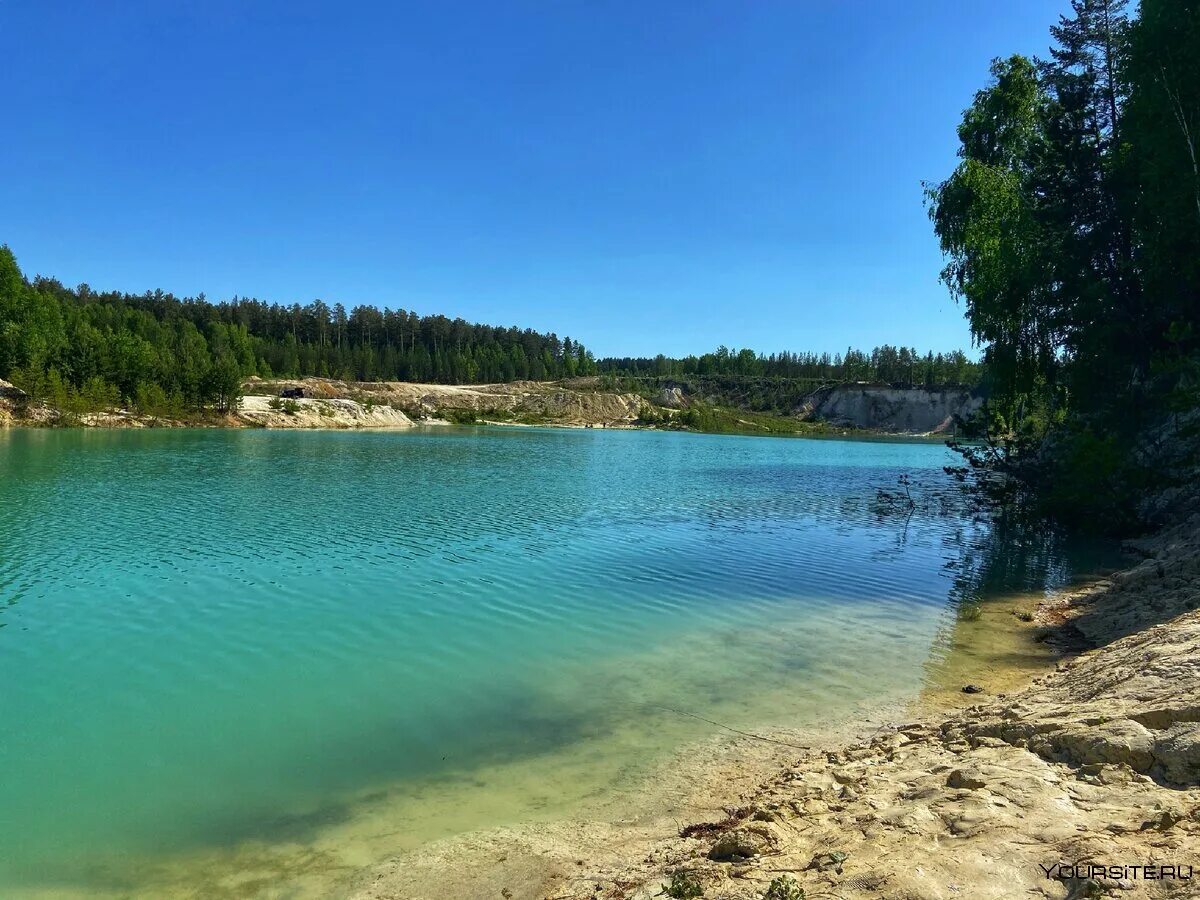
(878, 779)
(328, 404)
(1065, 763)
(434, 423)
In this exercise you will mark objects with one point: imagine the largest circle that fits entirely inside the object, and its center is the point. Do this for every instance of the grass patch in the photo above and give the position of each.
(784, 888)
(683, 886)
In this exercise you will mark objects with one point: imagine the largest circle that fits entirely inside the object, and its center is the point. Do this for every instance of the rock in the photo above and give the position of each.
(891, 409)
(742, 843)
(966, 779)
(1177, 753)
(11, 392)
(1123, 742)
(320, 413)
(972, 689)
(826, 862)
(12, 401)
(672, 398)
(1162, 821)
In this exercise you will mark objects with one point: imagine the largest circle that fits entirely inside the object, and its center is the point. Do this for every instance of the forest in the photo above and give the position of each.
(1071, 229)
(82, 350)
(899, 366)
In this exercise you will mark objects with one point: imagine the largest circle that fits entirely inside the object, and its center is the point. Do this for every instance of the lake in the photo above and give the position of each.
(218, 645)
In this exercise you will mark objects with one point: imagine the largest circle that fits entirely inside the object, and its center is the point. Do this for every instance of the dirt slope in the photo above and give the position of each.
(882, 408)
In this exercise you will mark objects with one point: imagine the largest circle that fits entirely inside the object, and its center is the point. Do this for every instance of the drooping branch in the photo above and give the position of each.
(1181, 119)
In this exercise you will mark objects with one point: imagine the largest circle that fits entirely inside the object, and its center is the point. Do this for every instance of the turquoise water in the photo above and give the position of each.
(214, 639)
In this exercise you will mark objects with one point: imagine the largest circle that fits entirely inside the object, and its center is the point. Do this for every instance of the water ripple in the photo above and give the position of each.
(203, 630)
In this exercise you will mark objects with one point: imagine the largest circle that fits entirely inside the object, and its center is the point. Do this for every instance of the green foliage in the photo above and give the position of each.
(97, 394)
(199, 352)
(414, 411)
(1071, 228)
(683, 886)
(723, 420)
(459, 415)
(71, 401)
(1162, 128)
(970, 612)
(652, 416)
(275, 403)
(987, 218)
(290, 407)
(747, 371)
(784, 887)
(224, 383)
(152, 400)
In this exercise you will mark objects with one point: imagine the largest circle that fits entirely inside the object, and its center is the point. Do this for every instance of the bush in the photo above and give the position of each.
(275, 403)
(97, 394)
(784, 888)
(151, 399)
(683, 886)
(970, 612)
(291, 407)
(650, 415)
(1089, 479)
(459, 416)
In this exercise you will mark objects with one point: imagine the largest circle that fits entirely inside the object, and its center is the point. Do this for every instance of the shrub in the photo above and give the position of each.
(151, 399)
(459, 416)
(97, 394)
(784, 888)
(970, 612)
(683, 886)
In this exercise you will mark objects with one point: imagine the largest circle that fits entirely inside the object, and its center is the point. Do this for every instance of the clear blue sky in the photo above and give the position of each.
(645, 176)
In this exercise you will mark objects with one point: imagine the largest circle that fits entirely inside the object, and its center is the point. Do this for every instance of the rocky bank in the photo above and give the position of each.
(328, 403)
(332, 403)
(883, 408)
(336, 412)
(537, 401)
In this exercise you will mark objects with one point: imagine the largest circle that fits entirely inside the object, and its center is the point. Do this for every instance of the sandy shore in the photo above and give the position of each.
(331, 404)
(257, 410)
(1094, 762)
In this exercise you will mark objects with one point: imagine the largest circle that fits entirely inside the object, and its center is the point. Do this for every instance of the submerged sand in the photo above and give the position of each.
(1094, 763)
(1065, 758)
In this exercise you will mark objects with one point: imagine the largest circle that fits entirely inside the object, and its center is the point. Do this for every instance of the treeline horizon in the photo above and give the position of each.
(82, 350)
(899, 366)
(89, 349)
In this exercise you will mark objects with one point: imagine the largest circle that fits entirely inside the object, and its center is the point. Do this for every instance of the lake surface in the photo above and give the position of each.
(213, 641)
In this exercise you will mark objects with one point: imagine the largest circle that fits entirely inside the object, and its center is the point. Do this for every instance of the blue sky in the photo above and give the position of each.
(645, 176)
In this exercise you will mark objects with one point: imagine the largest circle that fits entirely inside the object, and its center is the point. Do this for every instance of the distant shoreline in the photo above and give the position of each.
(317, 403)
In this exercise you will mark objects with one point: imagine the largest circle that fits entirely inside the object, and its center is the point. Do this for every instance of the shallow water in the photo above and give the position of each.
(215, 641)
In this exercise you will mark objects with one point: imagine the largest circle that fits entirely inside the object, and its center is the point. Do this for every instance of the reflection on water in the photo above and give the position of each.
(244, 652)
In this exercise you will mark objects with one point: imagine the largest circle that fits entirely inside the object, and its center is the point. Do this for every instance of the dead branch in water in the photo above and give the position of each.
(757, 737)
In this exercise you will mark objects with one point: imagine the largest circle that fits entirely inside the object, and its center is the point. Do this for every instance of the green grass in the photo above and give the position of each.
(727, 420)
